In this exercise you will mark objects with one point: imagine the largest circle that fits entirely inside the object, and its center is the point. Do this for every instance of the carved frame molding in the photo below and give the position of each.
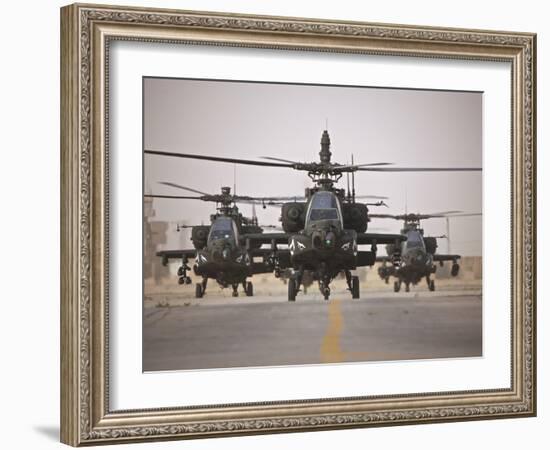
(86, 31)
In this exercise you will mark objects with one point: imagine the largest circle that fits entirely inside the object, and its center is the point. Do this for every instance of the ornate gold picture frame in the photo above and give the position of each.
(87, 31)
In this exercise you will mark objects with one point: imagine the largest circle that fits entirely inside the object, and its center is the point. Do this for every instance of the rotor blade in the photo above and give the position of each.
(274, 227)
(375, 197)
(358, 166)
(217, 158)
(280, 159)
(254, 201)
(378, 230)
(214, 198)
(465, 215)
(421, 169)
(278, 199)
(441, 213)
(379, 203)
(185, 197)
(270, 199)
(335, 166)
(384, 216)
(374, 164)
(269, 203)
(301, 198)
(293, 198)
(179, 186)
(436, 214)
(415, 216)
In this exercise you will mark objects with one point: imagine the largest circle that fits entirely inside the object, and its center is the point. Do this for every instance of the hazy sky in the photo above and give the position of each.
(250, 120)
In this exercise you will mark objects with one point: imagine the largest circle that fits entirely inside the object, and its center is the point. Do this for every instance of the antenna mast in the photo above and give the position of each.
(234, 179)
(348, 195)
(448, 234)
(352, 182)
(254, 216)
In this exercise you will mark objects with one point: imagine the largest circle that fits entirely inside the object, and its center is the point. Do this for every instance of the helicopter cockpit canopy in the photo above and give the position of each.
(223, 228)
(324, 206)
(414, 240)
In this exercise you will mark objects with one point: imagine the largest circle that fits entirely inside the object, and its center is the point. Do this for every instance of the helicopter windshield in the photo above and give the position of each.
(222, 228)
(324, 206)
(414, 240)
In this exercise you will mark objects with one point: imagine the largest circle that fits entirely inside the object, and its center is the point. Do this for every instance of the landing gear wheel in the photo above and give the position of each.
(326, 293)
(291, 290)
(455, 269)
(386, 280)
(431, 285)
(407, 287)
(249, 290)
(181, 280)
(355, 287)
(396, 286)
(199, 292)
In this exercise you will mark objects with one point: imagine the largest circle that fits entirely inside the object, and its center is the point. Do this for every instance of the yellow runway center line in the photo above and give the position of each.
(330, 349)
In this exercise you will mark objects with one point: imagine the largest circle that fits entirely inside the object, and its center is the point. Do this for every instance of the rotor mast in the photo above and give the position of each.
(325, 153)
(323, 173)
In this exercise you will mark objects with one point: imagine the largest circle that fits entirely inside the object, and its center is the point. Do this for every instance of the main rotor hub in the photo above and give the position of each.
(411, 222)
(226, 201)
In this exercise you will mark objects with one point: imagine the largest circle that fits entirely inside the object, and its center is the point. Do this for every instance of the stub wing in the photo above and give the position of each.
(264, 252)
(256, 268)
(282, 258)
(265, 238)
(442, 258)
(379, 238)
(167, 255)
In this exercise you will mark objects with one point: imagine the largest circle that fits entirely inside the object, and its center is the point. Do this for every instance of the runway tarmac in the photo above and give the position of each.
(270, 331)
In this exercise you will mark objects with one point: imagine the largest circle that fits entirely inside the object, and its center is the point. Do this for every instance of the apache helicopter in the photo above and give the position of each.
(418, 255)
(322, 233)
(218, 251)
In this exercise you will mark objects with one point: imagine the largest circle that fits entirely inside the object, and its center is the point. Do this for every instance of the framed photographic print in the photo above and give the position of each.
(275, 224)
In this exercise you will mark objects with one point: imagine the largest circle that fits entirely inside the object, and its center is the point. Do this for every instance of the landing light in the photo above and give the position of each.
(226, 253)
